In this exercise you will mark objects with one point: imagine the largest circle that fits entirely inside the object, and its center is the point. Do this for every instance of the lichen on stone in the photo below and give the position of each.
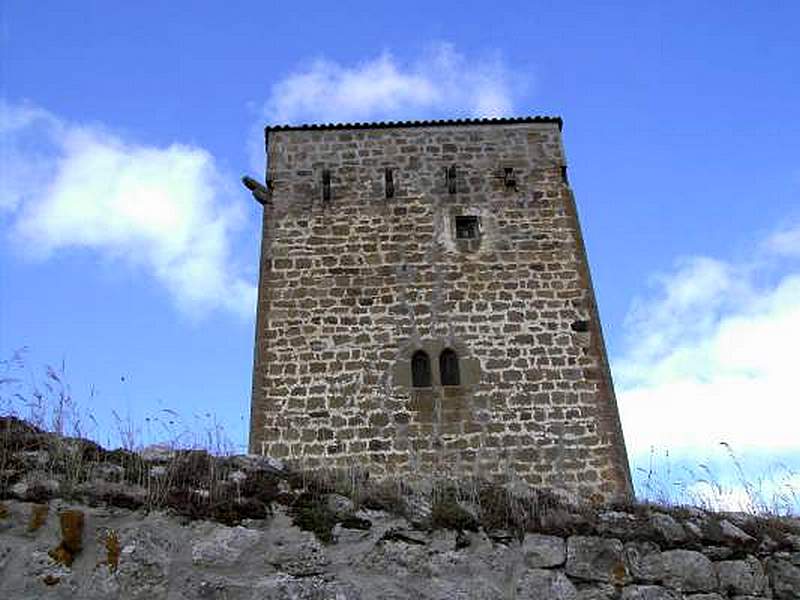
(71, 537)
(112, 550)
(38, 516)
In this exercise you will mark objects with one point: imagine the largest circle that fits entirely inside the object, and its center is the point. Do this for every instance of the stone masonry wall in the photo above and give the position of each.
(353, 286)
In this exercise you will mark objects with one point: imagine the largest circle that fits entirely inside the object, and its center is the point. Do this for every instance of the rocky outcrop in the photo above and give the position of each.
(136, 554)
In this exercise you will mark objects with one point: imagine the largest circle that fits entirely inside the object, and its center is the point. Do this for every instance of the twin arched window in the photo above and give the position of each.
(421, 369)
(448, 368)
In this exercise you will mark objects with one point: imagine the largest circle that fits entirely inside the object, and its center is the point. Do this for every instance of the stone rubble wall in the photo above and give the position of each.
(134, 555)
(81, 522)
(352, 287)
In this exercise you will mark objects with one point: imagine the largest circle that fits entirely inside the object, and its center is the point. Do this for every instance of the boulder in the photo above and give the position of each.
(742, 577)
(640, 564)
(733, 534)
(543, 584)
(667, 528)
(618, 524)
(339, 505)
(784, 577)
(36, 486)
(596, 559)
(681, 570)
(693, 529)
(543, 551)
(417, 508)
(257, 462)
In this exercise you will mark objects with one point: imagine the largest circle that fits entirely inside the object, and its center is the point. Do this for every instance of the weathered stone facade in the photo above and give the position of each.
(364, 263)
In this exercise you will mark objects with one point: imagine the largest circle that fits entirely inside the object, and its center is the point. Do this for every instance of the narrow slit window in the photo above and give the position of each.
(448, 368)
(450, 175)
(509, 178)
(467, 228)
(388, 177)
(564, 177)
(420, 369)
(326, 185)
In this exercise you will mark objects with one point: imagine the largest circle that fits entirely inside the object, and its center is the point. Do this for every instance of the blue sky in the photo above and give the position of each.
(129, 250)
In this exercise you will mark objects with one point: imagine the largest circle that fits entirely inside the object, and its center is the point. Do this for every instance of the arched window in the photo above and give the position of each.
(448, 368)
(420, 369)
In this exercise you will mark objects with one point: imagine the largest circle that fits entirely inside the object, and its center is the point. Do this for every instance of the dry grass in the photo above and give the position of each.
(41, 422)
(194, 477)
(774, 493)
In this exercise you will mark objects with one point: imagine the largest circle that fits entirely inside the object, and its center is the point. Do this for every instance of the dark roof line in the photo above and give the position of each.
(431, 123)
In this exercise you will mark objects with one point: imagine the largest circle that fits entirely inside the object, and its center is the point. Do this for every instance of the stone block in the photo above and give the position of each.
(667, 528)
(784, 577)
(638, 558)
(681, 570)
(597, 591)
(543, 551)
(543, 584)
(741, 577)
(596, 559)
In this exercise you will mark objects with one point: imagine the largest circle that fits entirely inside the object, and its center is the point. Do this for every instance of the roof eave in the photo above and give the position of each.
(425, 123)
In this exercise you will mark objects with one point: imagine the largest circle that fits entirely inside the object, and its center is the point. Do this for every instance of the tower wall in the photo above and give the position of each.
(353, 286)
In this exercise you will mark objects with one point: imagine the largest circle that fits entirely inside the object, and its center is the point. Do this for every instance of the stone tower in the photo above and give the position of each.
(425, 307)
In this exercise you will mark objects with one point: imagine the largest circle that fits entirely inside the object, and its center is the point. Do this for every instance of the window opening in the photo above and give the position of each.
(420, 369)
(450, 175)
(467, 228)
(509, 178)
(580, 326)
(448, 367)
(326, 185)
(388, 177)
(564, 174)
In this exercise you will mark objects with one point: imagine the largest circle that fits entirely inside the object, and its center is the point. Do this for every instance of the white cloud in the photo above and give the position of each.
(167, 210)
(24, 135)
(711, 358)
(442, 83)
